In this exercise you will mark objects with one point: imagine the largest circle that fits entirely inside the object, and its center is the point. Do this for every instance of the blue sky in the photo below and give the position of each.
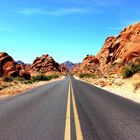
(65, 29)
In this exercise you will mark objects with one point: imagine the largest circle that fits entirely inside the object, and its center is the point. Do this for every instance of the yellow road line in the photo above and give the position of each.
(67, 135)
(79, 135)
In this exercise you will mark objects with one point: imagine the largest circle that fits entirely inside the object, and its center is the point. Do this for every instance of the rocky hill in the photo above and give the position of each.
(64, 68)
(76, 68)
(90, 64)
(46, 64)
(120, 50)
(69, 64)
(20, 62)
(115, 53)
(8, 67)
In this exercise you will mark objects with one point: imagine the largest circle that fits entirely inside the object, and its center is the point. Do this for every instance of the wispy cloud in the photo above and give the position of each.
(31, 11)
(60, 12)
(6, 28)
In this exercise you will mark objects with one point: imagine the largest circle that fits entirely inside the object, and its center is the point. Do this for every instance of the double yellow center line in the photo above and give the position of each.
(67, 135)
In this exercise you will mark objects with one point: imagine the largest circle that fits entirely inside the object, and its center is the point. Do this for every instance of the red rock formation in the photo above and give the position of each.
(25, 71)
(76, 69)
(8, 67)
(64, 68)
(90, 64)
(118, 51)
(45, 64)
(115, 53)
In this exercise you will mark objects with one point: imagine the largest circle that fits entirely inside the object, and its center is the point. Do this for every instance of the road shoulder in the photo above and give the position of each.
(22, 88)
(120, 91)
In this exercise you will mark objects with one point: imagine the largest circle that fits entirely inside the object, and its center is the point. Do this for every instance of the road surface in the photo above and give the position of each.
(68, 110)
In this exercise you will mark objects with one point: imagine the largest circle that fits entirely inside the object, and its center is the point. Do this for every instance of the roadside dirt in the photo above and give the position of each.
(127, 88)
(13, 89)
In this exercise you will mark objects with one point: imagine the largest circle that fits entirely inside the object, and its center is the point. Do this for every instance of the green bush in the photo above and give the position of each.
(1, 87)
(128, 71)
(44, 78)
(54, 76)
(7, 79)
(86, 75)
(137, 60)
(18, 79)
(28, 82)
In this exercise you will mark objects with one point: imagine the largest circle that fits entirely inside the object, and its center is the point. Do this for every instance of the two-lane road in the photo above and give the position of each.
(68, 110)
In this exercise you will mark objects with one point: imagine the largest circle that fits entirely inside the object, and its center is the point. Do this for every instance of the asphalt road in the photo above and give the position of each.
(68, 110)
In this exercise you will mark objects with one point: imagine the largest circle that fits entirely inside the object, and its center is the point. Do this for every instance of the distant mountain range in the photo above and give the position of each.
(20, 62)
(69, 64)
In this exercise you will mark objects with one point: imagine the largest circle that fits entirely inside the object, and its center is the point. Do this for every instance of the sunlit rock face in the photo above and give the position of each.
(118, 51)
(8, 67)
(47, 65)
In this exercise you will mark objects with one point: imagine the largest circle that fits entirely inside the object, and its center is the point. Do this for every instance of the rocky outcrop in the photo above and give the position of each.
(118, 51)
(45, 64)
(115, 53)
(64, 69)
(76, 68)
(8, 67)
(90, 64)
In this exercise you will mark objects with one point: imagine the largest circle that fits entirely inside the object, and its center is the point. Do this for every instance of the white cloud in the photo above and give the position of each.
(60, 12)
(30, 11)
(67, 11)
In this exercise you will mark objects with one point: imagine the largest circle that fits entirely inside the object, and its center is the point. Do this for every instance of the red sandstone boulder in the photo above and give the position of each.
(90, 64)
(118, 51)
(64, 68)
(45, 64)
(8, 67)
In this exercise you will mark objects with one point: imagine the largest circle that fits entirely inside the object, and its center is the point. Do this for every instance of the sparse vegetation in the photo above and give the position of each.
(7, 79)
(34, 79)
(131, 69)
(43, 78)
(136, 86)
(28, 82)
(117, 82)
(18, 79)
(86, 75)
(137, 60)
(1, 87)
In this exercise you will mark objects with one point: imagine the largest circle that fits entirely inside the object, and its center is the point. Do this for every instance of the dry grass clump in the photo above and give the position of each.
(136, 86)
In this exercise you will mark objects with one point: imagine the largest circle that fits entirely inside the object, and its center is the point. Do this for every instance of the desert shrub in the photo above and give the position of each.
(117, 82)
(136, 86)
(39, 78)
(1, 87)
(54, 76)
(19, 79)
(137, 60)
(86, 75)
(7, 79)
(43, 78)
(136, 68)
(128, 71)
(28, 82)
